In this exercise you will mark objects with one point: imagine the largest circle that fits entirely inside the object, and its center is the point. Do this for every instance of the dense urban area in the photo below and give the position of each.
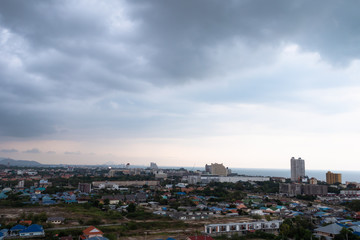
(125, 202)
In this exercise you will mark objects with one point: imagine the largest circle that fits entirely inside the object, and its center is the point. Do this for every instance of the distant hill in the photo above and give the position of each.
(19, 163)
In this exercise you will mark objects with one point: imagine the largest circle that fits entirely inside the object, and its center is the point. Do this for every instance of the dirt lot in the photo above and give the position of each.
(196, 226)
(14, 214)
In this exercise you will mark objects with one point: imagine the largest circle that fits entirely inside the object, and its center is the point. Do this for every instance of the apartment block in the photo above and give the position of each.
(332, 178)
(297, 169)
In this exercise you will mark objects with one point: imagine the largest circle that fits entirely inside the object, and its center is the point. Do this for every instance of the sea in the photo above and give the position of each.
(347, 176)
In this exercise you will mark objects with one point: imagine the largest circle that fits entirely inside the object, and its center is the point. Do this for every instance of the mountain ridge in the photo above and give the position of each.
(19, 163)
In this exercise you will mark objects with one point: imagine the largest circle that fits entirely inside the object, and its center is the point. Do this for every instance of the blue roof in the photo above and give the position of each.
(320, 213)
(3, 195)
(97, 238)
(344, 221)
(1, 234)
(181, 193)
(215, 209)
(170, 238)
(17, 228)
(33, 228)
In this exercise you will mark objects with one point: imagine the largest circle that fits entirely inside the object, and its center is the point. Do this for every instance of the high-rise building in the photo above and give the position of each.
(218, 169)
(153, 166)
(332, 178)
(297, 169)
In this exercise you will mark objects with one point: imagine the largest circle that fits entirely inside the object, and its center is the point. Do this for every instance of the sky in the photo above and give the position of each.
(249, 84)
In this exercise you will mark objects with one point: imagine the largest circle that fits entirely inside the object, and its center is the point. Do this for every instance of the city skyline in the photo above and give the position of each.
(181, 83)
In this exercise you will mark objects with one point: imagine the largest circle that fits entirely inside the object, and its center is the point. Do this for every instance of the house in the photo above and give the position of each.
(14, 231)
(201, 237)
(241, 206)
(113, 199)
(3, 195)
(257, 212)
(96, 238)
(91, 232)
(141, 197)
(55, 220)
(328, 232)
(32, 230)
(130, 198)
(47, 200)
(25, 222)
(4, 232)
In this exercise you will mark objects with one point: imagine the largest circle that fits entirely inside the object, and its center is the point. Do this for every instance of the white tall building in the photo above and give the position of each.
(153, 166)
(297, 169)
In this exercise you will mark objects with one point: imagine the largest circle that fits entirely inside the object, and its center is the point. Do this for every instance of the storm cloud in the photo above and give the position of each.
(79, 70)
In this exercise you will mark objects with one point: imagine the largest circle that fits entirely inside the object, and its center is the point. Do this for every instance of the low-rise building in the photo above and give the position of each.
(293, 189)
(55, 220)
(243, 228)
(32, 230)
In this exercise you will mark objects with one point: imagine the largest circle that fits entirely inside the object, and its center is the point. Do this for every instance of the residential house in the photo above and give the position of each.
(113, 199)
(25, 222)
(14, 231)
(32, 230)
(55, 220)
(328, 232)
(90, 233)
(201, 237)
(3, 195)
(141, 197)
(4, 232)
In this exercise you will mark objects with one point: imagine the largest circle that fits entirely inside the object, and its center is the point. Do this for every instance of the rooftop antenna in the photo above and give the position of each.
(193, 167)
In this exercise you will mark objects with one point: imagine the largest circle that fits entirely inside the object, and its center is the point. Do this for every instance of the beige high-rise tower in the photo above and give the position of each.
(332, 178)
(218, 169)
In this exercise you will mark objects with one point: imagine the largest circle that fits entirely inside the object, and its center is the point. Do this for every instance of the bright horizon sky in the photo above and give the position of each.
(249, 84)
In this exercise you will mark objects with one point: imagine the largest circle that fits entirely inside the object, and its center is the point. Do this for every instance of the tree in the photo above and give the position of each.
(284, 230)
(131, 208)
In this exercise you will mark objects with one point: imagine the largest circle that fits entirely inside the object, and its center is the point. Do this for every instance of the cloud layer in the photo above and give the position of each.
(163, 73)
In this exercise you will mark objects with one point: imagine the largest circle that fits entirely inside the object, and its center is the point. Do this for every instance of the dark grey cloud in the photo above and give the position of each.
(34, 150)
(9, 150)
(62, 62)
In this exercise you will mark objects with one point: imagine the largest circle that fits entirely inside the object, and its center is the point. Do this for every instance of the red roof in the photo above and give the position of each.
(201, 238)
(25, 222)
(92, 231)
